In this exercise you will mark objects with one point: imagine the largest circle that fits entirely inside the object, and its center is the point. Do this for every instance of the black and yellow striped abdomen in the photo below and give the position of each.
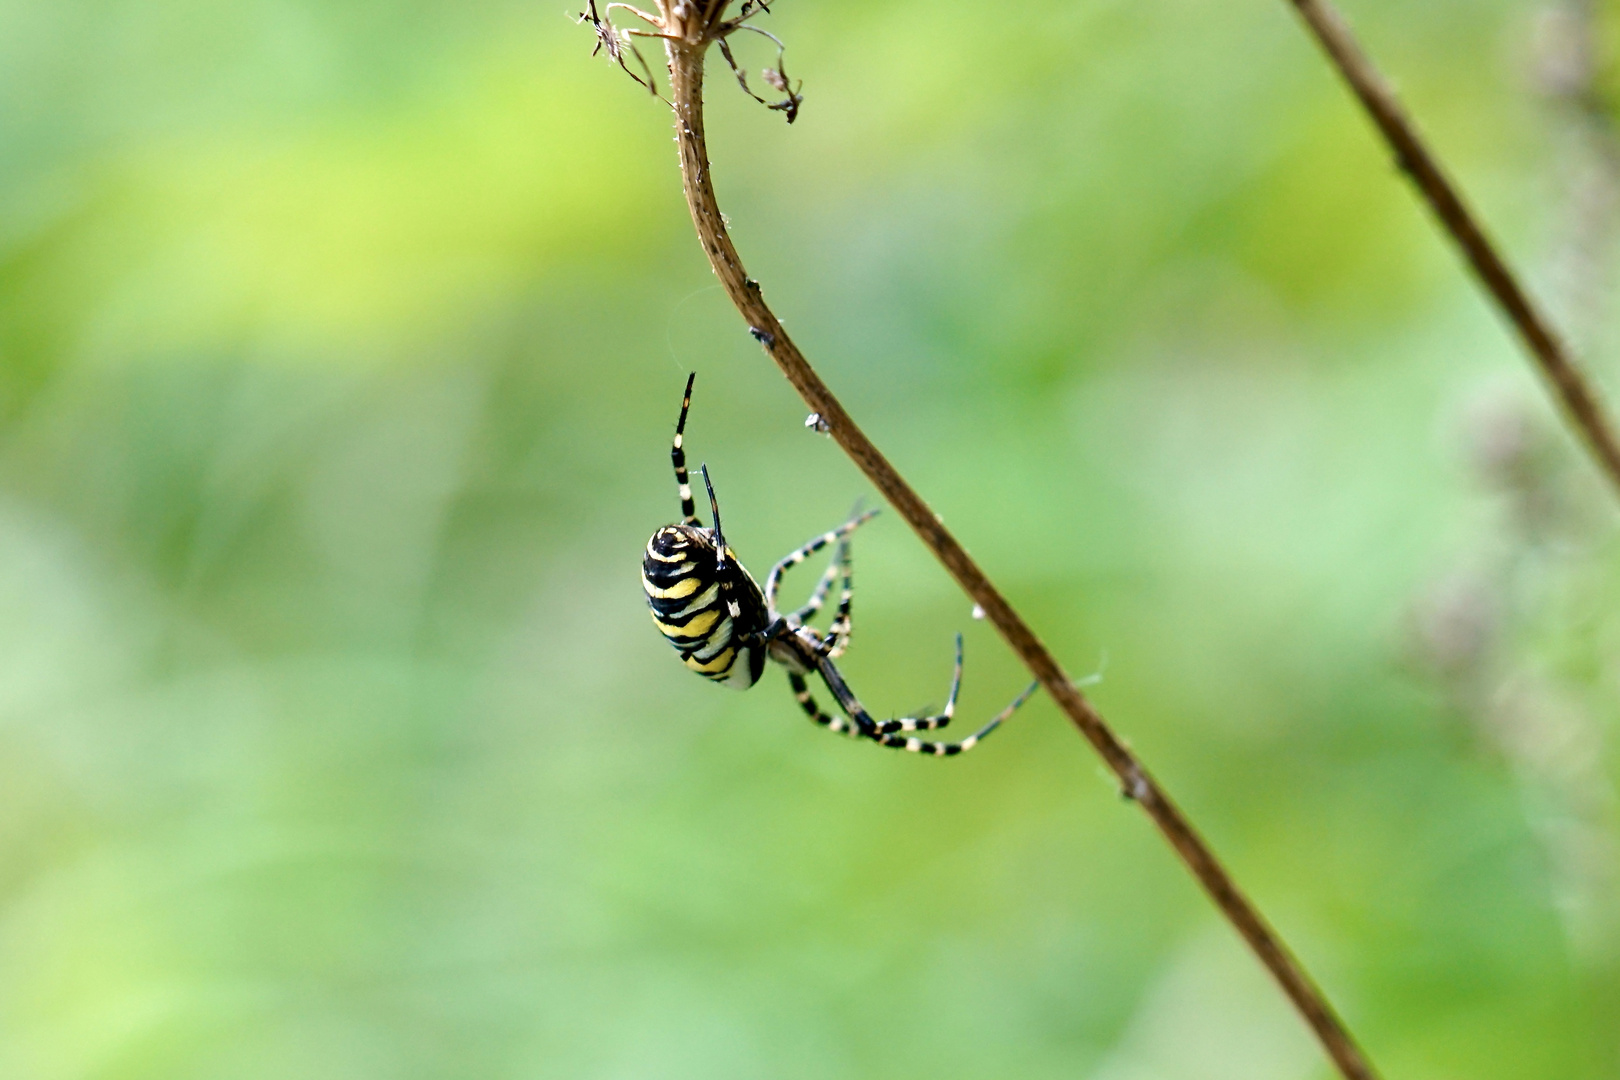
(704, 605)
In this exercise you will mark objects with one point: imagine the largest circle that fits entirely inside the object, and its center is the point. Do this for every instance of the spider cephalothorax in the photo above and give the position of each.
(724, 626)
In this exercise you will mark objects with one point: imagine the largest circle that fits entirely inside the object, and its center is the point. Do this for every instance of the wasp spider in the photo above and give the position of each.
(724, 627)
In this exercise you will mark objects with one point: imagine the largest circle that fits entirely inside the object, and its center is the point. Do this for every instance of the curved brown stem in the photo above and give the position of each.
(686, 55)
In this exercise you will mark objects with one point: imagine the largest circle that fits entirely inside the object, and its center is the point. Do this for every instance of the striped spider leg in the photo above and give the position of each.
(892, 733)
(677, 458)
(842, 625)
(836, 640)
(818, 598)
(827, 647)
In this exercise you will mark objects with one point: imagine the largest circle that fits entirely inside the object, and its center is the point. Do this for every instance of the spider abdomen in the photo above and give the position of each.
(706, 606)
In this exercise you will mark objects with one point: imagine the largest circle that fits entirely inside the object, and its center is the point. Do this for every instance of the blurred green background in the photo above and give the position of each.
(341, 343)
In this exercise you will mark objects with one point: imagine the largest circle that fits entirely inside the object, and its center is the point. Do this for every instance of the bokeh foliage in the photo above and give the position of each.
(339, 347)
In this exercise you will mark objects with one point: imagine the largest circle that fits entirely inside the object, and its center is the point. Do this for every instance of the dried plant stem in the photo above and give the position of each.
(686, 55)
(1576, 395)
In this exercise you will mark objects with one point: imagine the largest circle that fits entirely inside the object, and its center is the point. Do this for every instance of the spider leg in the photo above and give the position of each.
(677, 455)
(873, 730)
(801, 693)
(930, 723)
(823, 588)
(837, 639)
(773, 582)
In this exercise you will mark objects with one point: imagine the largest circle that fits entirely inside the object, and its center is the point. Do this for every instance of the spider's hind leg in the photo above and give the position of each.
(940, 720)
(891, 732)
(801, 693)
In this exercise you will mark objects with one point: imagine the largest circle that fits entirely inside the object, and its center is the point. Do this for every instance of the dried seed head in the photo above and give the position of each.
(617, 43)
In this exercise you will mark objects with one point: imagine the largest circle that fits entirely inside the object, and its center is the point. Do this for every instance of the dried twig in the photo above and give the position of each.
(689, 27)
(1575, 393)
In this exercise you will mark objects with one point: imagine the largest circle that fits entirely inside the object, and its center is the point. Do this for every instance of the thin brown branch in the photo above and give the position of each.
(688, 40)
(1575, 393)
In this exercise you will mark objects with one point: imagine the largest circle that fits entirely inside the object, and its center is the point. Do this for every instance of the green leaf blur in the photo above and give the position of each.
(340, 345)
